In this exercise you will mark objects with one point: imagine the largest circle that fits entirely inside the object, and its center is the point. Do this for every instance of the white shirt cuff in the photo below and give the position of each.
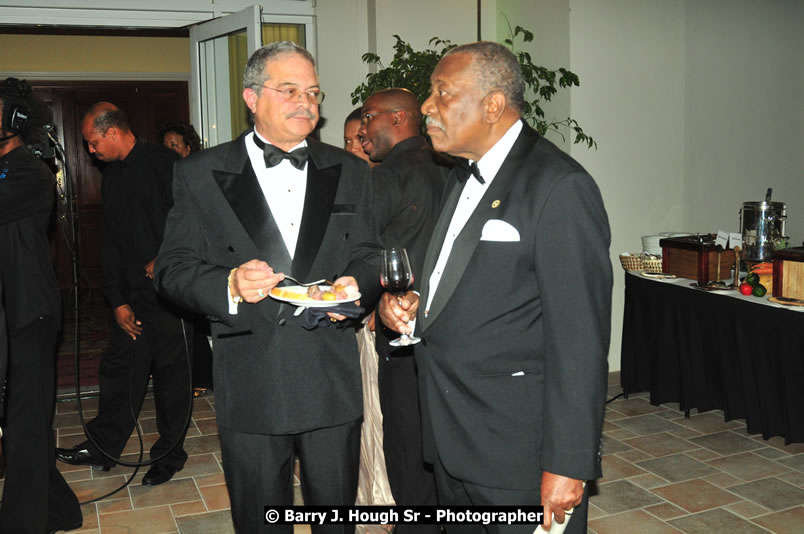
(232, 303)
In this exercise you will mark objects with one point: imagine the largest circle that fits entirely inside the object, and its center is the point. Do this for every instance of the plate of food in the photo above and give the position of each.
(315, 296)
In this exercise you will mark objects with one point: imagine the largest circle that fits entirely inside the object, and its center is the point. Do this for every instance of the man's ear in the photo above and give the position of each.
(494, 104)
(250, 96)
(400, 117)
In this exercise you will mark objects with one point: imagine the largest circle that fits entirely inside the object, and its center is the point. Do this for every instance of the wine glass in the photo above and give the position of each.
(396, 276)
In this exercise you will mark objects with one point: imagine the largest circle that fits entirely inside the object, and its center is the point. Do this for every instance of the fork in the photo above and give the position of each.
(308, 284)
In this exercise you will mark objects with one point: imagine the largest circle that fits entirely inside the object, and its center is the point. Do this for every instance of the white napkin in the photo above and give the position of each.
(499, 230)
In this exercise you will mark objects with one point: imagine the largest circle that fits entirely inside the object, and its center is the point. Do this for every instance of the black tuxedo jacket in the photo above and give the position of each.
(271, 375)
(513, 358)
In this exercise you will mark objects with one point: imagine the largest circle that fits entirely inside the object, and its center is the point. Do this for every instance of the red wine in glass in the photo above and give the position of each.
(396, 277)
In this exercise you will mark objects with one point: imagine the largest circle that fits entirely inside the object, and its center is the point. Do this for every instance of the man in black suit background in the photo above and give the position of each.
(36, 498)
(407, 183)
(276, 201)
(515, 304)
(150, 337)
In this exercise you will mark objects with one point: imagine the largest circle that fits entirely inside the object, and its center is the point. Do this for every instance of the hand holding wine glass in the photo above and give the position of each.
(396, 276)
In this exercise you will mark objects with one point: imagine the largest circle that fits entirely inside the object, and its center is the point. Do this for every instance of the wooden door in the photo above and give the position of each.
(148, 105)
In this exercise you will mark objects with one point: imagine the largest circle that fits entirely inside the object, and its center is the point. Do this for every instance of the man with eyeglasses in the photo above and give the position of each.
(276, 201)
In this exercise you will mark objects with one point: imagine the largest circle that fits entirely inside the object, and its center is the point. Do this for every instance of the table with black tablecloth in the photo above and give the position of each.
(715, 350)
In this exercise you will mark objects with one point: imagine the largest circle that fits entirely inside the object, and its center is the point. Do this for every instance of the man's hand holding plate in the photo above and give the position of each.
(345, 281)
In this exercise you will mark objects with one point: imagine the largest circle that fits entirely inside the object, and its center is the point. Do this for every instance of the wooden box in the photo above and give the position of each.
(696, 257)
(788, 273)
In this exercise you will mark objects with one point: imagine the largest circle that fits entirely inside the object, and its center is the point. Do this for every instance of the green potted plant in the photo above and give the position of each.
(411, 69)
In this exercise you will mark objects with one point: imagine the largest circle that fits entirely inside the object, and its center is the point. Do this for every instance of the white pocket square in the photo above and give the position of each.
(497, 230)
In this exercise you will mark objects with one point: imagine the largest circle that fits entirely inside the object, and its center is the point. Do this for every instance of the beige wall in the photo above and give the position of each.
(345, 28)
(696, 107)
(96, 54)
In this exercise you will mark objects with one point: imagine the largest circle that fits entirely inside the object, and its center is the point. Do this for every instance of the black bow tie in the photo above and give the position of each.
(274, 155)
(465, 170)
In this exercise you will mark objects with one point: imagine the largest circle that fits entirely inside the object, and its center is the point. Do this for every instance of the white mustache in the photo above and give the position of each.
(430, 121)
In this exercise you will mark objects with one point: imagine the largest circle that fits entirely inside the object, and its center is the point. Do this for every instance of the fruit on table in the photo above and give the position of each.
(746, 288)
(764, 274)
(759, 290)
(752, 278)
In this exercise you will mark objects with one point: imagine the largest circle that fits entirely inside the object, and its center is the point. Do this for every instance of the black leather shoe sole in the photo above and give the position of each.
(158, 474)
(80, 457)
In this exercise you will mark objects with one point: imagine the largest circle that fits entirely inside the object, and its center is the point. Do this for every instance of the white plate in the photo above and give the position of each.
(661, 276)
(308, 302)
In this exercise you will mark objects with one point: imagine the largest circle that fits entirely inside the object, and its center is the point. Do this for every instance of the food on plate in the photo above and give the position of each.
(282, 293)
(336, 292)
(333, 293)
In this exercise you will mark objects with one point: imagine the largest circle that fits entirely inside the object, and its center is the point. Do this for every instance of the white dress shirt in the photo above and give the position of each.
(284, 187)
(489, 164)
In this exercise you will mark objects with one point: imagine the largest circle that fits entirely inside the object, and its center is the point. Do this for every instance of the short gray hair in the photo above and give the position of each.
(255, 74)
(495, 68)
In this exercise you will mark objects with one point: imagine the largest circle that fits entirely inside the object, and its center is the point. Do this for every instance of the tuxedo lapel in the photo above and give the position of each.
(468, 239)
(319, 197)
(437, 241)
(245, 196)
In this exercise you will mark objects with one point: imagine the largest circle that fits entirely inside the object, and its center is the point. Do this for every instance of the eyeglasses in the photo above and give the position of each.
(291, 94)
(368, 117)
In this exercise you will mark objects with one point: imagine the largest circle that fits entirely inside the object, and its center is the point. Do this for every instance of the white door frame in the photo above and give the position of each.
(248, 19)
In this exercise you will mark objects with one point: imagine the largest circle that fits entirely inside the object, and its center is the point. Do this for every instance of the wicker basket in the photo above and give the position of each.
(652, 265)
(631, 263)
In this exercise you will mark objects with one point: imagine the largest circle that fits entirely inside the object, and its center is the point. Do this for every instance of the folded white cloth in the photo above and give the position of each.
(499, 230)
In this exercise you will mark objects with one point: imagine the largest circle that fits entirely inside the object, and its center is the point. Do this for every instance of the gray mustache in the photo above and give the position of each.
(306, 113)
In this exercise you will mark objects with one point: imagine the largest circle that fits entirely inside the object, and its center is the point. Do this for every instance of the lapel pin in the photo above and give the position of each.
(495, 204)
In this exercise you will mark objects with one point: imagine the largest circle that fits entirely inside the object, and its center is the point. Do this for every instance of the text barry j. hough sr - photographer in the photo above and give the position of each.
(386, 515)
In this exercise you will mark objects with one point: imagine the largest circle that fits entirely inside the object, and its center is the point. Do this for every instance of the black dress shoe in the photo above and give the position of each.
(159, 474)
(80, 455)
(74, 527)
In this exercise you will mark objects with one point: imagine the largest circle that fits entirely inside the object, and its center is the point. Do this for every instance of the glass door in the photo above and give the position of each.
(219, 50)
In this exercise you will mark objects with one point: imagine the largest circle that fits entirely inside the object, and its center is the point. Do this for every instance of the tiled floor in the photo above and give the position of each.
(667, 474)
(663, 474)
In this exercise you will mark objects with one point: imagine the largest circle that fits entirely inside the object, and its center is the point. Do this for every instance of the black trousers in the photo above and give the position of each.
(411, 479)
(202, 353)
(161, 351)
(455, 492)
(259, 471)
(36, 498)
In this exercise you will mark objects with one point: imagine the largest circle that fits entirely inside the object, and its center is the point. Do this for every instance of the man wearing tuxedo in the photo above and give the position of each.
(276, 201)
(407, 183)
(515, 305)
